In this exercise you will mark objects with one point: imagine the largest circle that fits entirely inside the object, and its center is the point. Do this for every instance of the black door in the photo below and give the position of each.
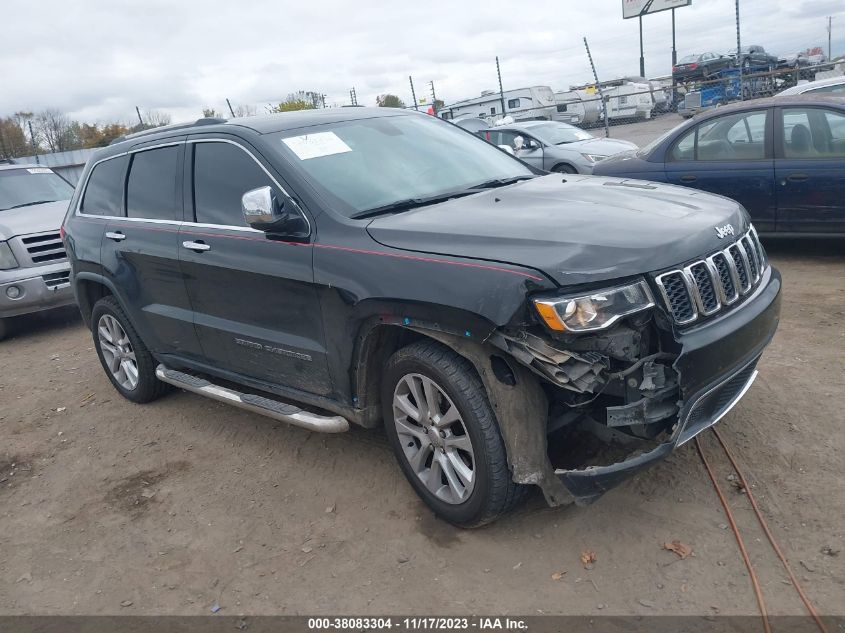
(255, 306)
(810, 170)
(140, 252)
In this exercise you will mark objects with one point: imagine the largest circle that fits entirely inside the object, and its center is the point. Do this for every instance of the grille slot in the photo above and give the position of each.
(46, 247)
(55, 280)
(729, 291)
(708, 299)
(677, 296)
(704, 287)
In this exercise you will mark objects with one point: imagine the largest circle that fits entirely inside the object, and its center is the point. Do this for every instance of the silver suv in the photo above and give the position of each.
(34, 270)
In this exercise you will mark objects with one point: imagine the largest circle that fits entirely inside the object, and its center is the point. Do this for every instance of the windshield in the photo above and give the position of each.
(29, 186)
(552, 133)
(688, 59)
(366, 164)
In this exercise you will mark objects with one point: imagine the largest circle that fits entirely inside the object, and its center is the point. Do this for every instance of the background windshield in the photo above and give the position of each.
(21, 187)
(369, 163)
(688, 59)
(558, 133)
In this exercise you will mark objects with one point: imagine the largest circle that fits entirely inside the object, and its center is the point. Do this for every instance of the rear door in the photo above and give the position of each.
(140, 251)
(730, 155)
(810, 169)
(255, 306)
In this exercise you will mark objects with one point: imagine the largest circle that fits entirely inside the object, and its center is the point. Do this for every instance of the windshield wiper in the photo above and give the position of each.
(500, 182)
(409, 203)
(29, 204)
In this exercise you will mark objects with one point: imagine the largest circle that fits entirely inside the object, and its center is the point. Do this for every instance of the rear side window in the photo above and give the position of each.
(152, 191)
(223, 173)
(104, 193)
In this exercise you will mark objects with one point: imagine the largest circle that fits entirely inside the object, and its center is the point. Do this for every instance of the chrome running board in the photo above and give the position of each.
(257, 404)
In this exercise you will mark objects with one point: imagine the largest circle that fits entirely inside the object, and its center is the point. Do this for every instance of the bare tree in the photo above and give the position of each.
(157, 118)
(58, 131)
(245, 110)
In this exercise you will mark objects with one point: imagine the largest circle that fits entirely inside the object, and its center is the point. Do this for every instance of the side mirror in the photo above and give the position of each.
(264, 212)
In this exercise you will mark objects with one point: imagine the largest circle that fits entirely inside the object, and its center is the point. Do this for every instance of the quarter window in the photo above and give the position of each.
(104, 192)
(684, 149)
(223, 173)
(152, 190)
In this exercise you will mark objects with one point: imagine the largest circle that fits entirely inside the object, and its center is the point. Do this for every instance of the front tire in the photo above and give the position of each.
(128, 364)
(445, 436)
(564, 169)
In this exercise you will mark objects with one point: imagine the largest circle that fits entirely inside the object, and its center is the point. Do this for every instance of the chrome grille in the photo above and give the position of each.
(707, 286)
(44, 247)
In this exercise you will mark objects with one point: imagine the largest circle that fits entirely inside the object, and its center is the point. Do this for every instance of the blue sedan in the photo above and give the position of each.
(782, 158)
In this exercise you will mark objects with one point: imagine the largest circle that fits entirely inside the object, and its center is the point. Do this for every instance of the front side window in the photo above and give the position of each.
(104, 192)
(738, 136)
(29, 186)
(364, 164)
(813, 133)
(223, 173)
(152, 191)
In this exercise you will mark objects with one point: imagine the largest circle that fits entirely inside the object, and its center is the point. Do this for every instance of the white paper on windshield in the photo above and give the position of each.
(39, 170)
(316, 145)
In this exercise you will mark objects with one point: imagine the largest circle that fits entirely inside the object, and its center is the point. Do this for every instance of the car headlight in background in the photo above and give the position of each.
(596, 310)
(593, 158)
(7, 259)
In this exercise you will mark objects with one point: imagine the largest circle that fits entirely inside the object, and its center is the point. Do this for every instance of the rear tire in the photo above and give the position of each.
(128, 364)
(460, 471)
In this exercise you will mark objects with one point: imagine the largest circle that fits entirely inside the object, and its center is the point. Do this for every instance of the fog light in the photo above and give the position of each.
(13, 292)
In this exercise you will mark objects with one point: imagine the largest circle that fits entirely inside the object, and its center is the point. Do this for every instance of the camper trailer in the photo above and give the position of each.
(523, 104)
(578, 107)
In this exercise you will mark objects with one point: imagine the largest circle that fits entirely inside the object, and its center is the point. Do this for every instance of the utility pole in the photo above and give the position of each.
(433, 99)
(674, 50)
(642, 56)
(829, 29)
(501, 92)
(738, 54)
(230, 107)
(323, 99)
(598, 87)
(413, 94)
(353, 97)
(140, 120)
(32, 139)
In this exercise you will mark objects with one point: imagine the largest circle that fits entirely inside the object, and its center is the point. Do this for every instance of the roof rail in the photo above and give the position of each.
(167, 128)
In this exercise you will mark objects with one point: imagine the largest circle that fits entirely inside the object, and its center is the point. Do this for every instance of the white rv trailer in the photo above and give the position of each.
(523, 104)
(578, 107)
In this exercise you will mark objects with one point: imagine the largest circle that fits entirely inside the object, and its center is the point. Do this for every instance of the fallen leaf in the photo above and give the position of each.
(558, 575)
(307, 549)
(518, 565)
(588, 557)
(681, 549)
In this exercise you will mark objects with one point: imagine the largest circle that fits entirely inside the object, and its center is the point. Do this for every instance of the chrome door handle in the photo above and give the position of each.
(117, 236)
(196, 246)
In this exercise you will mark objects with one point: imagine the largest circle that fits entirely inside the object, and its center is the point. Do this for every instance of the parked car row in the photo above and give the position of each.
(707, 64)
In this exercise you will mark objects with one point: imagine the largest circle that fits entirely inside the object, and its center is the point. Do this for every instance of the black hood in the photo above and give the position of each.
(576, 229)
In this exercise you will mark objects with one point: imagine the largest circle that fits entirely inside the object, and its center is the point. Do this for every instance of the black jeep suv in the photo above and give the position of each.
(509, 327)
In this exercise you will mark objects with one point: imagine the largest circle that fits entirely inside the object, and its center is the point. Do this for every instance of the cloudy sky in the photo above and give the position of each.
(98, 59)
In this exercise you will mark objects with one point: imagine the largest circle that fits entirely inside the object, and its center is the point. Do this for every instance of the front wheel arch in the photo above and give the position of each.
(564, 168)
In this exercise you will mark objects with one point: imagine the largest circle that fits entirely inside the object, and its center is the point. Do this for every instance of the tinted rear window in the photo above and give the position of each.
(104, 193)
(152, 190)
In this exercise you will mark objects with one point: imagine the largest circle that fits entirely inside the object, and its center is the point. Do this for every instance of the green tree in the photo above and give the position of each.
(300, 100)
(389, 101)
(13, 141)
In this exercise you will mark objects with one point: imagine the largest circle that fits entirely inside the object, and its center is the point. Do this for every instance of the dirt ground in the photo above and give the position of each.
(173, 507)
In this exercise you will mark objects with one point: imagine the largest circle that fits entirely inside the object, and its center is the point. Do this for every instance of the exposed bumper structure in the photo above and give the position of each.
(717, 366)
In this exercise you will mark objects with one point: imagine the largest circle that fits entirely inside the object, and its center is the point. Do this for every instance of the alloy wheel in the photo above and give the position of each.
(434, 438)
(117, 352)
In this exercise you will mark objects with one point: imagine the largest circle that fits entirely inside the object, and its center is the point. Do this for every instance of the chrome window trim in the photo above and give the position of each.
(136, 150)
(264, 169)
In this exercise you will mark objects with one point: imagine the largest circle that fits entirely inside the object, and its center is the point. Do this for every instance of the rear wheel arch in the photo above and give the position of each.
(88, 292)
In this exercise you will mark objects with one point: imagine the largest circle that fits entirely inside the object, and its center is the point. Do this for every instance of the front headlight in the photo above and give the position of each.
(596, 310)
(7, 259)
(594, 158)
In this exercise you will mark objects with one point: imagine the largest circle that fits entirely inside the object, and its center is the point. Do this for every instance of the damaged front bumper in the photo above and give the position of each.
(717, 366)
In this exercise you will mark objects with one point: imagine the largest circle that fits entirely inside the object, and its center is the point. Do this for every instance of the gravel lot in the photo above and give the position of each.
(173, 507)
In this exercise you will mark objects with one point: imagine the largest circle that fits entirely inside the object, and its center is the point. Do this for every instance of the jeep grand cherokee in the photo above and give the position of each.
(368, 266)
